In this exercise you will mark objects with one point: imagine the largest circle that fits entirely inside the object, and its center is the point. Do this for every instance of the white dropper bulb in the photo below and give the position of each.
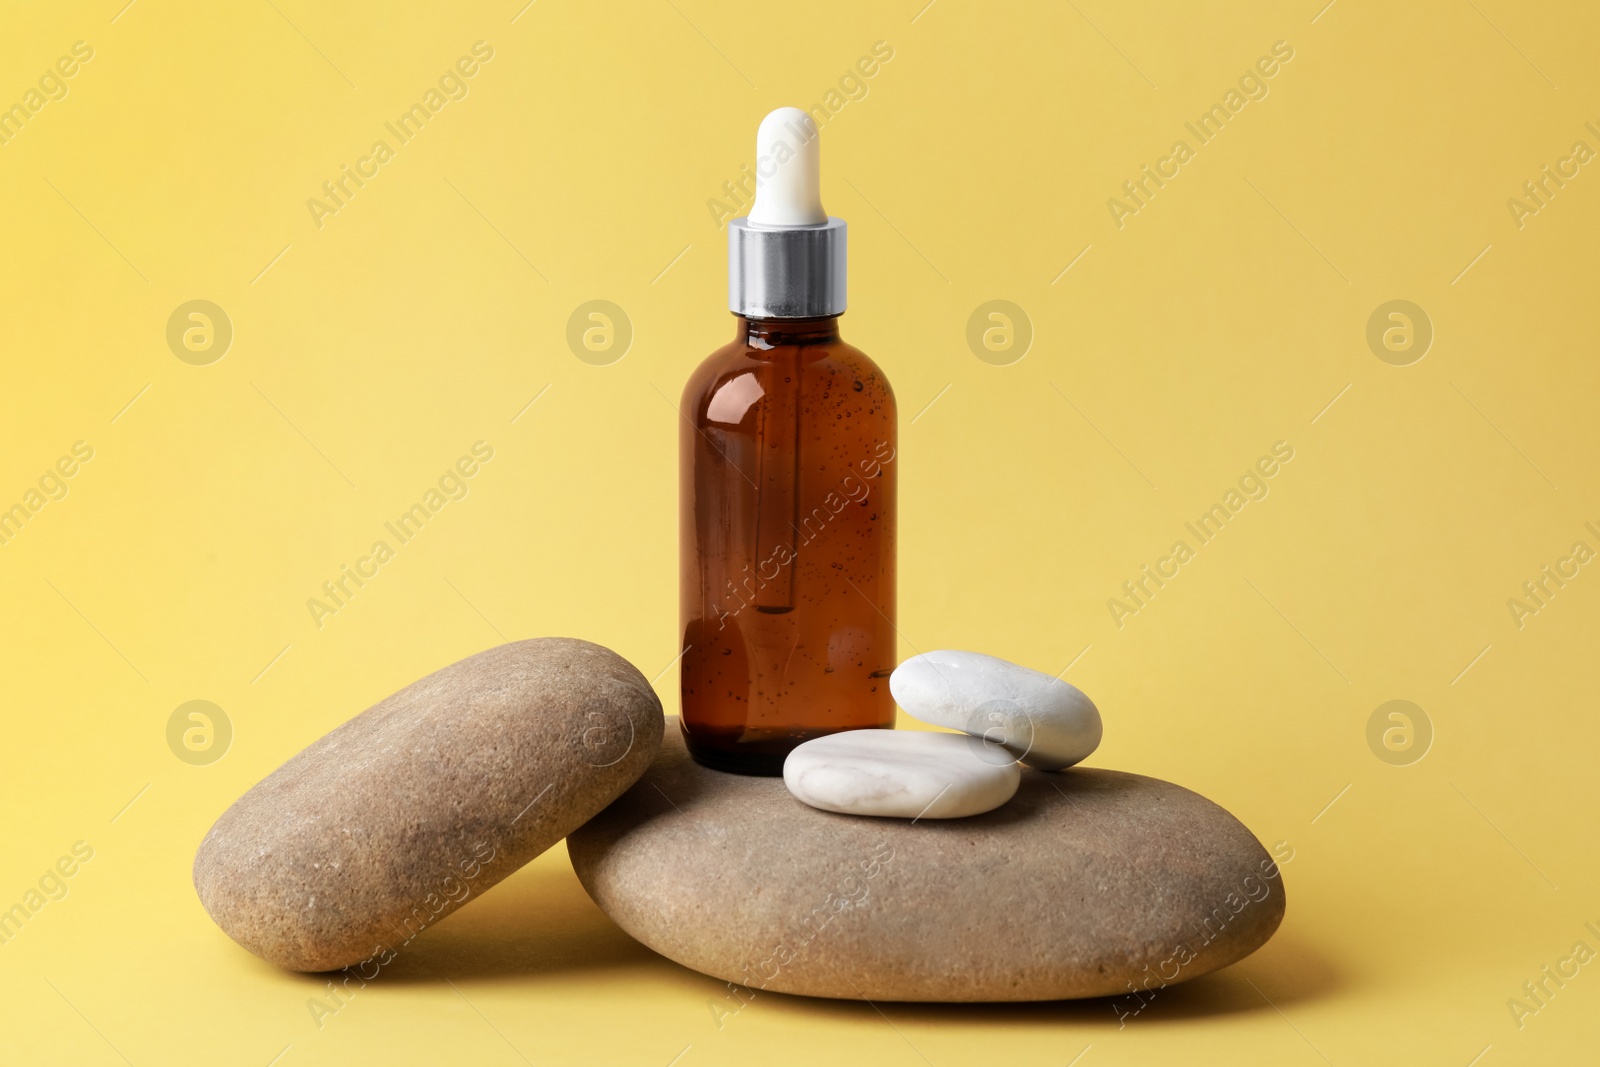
(788, 171)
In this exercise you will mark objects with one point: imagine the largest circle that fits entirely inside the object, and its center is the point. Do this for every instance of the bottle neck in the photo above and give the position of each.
(775, 333)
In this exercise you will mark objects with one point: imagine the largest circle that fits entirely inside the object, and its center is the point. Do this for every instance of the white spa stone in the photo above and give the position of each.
(907, 774)
(1043, 721)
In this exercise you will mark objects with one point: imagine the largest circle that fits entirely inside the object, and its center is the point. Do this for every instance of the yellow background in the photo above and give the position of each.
(1225, 316)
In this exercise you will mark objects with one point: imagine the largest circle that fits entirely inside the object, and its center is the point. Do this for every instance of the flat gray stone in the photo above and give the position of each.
(393, 820)
(1088, 882)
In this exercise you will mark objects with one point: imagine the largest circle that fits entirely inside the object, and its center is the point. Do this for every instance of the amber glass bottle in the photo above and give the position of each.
(787, 514)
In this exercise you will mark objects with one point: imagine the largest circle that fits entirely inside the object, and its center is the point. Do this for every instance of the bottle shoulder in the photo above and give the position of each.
(829, 361)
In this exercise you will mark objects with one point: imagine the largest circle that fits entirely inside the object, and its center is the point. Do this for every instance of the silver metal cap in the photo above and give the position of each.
(793, 272)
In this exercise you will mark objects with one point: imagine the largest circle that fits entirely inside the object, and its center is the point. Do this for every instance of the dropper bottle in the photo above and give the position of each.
(787, 489)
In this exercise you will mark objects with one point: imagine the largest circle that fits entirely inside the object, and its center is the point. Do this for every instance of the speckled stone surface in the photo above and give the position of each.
(1087, 881)
(420, 803)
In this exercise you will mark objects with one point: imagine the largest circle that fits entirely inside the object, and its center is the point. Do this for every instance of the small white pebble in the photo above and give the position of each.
(1043, 721)
(908, 774)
